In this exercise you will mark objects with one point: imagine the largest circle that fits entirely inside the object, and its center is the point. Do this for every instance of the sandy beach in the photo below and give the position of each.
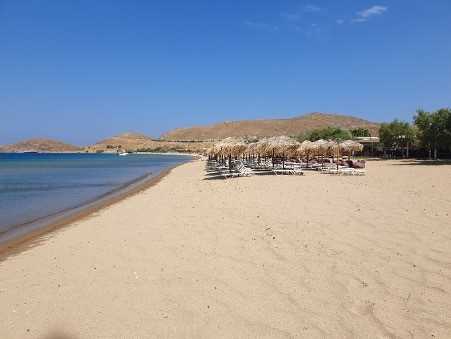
(259, 257)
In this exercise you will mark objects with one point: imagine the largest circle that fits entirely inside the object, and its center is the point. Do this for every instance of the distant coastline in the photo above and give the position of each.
(196, 139)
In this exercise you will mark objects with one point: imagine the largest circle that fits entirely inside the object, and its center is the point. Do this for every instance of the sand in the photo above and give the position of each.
(259, 257)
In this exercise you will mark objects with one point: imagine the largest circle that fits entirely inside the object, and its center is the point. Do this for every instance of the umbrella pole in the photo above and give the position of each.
(272, 159)
(283, 160)
(230, 163)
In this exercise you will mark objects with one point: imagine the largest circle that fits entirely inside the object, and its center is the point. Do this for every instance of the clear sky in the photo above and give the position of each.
(80, 70)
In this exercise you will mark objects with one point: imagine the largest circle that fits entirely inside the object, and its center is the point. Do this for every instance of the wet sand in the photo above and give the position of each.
(259, 257)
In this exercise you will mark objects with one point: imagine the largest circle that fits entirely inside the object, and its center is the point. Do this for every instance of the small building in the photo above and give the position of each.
(371, 146)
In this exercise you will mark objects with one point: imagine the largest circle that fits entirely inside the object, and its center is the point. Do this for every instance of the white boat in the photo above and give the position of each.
(123, 154)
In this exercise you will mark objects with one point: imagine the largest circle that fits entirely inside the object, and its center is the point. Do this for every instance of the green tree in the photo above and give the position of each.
(328, 133)
(423, 121)
(397, 135)
(360, 132)
(434, 130)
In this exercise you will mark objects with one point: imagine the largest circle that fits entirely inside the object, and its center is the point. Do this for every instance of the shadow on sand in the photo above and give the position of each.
(216, 177)
(411, 162)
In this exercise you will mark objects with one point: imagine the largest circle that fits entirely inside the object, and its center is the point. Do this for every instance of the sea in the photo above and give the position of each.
(35, 187)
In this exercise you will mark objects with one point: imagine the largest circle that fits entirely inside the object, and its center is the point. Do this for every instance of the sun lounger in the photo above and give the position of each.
(288, 171)
(351, 171)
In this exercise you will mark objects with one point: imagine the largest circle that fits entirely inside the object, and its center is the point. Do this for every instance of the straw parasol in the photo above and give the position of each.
(258, 148)
(322, 148)
(210, 152)
(346, 147)
(230, 147)
(350, 146)
(334, 148)
(281, 145)
(252, 148)
(306, 148)
(261, 146)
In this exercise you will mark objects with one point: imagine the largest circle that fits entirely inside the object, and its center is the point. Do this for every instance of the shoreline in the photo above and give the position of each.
(25, 236)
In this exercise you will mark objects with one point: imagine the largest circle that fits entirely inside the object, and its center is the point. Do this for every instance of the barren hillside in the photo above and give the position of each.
(260, 128)
(139, 142)
(40, 145)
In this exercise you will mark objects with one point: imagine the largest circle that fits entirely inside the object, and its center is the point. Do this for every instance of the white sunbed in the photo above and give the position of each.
(292, 171)
(352, 171)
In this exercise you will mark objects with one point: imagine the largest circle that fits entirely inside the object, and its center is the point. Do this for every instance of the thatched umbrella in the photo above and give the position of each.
(230, 147)
(210, 152)
(217, 149)
(350, 146)
(251, 148)
(261, 146)
(346, 147)
(334, 148)
(281, 145)
(358, 147)
(306, 148)
(322, 148)
(314, 148)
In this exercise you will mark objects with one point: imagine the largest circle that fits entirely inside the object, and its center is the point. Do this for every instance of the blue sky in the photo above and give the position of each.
(82, 70)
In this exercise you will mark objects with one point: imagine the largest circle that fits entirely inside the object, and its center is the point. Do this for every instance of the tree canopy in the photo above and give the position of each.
(396, 134)
(434, 130)
(328, 133)
(360, 132)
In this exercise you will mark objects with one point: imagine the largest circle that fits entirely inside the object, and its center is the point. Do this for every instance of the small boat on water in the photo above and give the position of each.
(123, 154)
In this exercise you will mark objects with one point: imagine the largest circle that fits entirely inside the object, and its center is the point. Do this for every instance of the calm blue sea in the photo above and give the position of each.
(34, 186)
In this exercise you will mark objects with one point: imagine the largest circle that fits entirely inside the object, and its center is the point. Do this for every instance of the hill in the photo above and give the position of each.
(272, 127)
(139, 142)
(40, 145)
(124, 141)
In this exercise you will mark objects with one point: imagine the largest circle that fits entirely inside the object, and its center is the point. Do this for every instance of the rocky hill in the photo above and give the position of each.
(139, 142)
(261, 128)
(122, 142)
(40, 145)
(198, 139)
